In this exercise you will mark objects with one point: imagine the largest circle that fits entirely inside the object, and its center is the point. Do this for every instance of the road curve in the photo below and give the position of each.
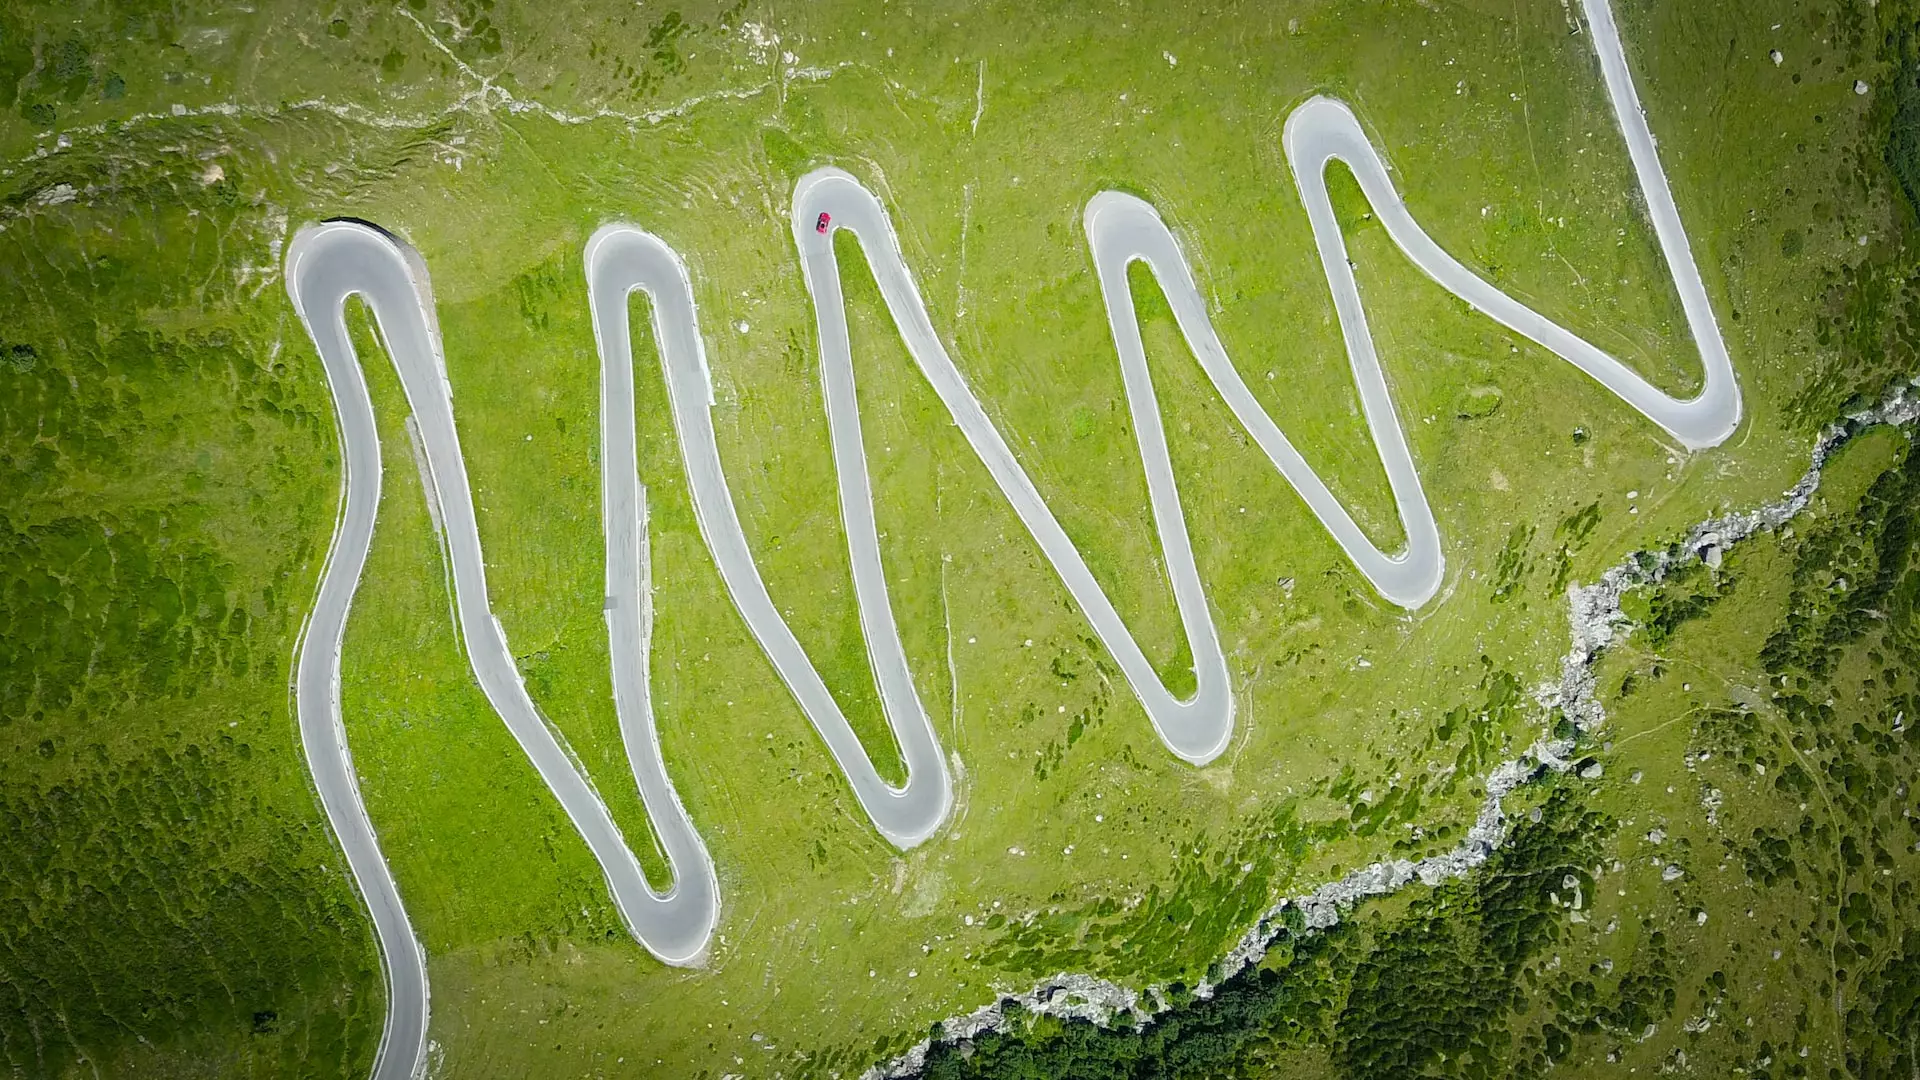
(323, 735)
(329, 262)
(1122, 230)
(326, 264)
(621, 260)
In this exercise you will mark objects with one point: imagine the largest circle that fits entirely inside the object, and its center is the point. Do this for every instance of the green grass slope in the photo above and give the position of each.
(1733, 894)
(173, 899)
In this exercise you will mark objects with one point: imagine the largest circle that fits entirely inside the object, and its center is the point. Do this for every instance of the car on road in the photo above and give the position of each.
(826, 219)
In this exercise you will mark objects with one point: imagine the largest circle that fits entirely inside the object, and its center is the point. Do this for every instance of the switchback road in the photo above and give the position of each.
(328, 263)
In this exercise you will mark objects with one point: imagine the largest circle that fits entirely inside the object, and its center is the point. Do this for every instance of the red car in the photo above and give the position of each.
(826, 219)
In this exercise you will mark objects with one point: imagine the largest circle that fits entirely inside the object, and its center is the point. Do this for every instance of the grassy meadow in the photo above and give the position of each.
(177, 474)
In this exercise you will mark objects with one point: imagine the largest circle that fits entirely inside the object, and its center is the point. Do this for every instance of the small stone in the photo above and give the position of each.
(1860, 87)
(1775, 56)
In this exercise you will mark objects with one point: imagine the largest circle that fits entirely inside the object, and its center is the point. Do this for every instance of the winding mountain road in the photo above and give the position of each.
(330, 262)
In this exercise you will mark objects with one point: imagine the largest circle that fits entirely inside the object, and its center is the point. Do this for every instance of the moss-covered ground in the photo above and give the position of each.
(173, 899)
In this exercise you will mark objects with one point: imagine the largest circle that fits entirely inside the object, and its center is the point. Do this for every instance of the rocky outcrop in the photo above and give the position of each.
(1595, 620)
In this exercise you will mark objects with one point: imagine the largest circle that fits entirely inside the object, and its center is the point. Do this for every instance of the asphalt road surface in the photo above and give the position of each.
(330, 262)
(622, 260)
(325, 265)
